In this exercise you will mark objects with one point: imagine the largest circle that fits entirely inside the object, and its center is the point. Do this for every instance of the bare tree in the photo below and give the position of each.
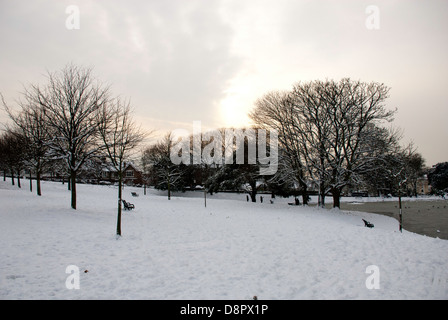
(275, 111)
(400, 172)
(120, 136)
(340, 114)
(379, 146)
(323, 128)
(242, 174)
(12, 146)
(71, 100)
(3, 156)
(164, 173)
(414, 167)
(438, 178)
(313, 127)
(31, 122)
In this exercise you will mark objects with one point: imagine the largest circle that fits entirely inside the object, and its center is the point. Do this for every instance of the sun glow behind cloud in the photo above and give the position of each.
(232, 111)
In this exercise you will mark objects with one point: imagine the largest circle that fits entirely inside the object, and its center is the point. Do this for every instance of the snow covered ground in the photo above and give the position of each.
(231, 249)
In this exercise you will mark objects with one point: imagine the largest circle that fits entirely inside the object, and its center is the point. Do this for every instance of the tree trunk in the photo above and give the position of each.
(304, 194)
(414, 184)
(120, 195)
(322, 200)
(303, 186)
(169, 191)
(400, 210)
(31, 182)
(73, 188)
(18, 180)
(12, 177)
(336, 198)
(253, 196)
(253, 191)
(39, 192)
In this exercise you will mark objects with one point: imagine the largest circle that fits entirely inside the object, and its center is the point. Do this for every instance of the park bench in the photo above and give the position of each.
(127, 205)
(295, 203)
(134, 194)
(368, 224)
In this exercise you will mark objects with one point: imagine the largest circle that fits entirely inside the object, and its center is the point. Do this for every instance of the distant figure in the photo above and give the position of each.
(247, 198)
(261, 199)
(272, 201)
(297, 201)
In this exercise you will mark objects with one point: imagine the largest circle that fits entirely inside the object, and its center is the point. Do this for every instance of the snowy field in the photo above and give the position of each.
(231, 249)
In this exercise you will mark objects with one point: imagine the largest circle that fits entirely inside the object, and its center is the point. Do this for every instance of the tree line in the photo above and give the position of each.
(69, 121)
(332, 136)
(335, 135)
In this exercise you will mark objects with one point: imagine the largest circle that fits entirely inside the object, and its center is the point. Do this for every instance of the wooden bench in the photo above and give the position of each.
(134, 194)
(368, 224)
(127, 205)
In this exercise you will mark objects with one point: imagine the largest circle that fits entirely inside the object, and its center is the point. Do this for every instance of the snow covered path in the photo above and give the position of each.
(230, 250)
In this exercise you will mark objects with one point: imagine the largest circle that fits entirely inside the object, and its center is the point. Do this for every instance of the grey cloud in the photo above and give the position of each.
(179, 72)
(185, 61)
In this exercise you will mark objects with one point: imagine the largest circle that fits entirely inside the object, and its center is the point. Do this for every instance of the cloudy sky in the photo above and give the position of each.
(181, 61)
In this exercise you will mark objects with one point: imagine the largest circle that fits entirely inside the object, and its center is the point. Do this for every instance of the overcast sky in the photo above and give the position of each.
(181, 61)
